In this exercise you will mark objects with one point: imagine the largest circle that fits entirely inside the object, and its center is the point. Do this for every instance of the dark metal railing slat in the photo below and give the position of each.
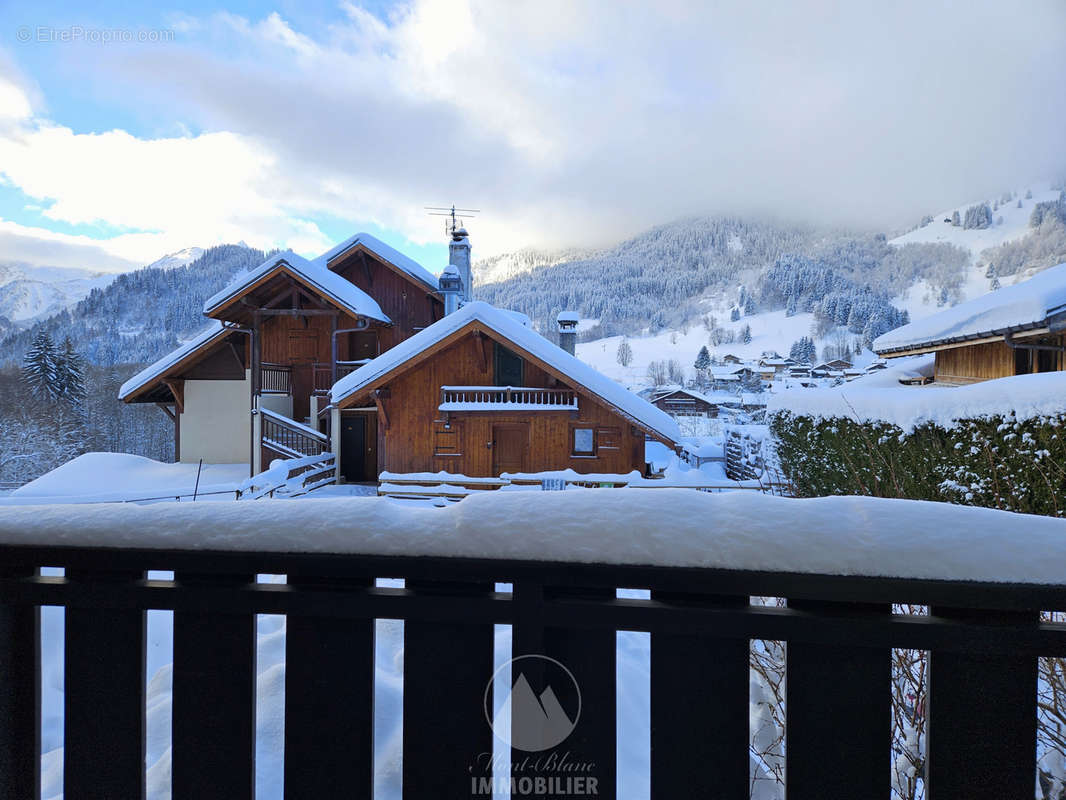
(699, 710)
(20, 696)
(213, 722)
(838, 731)
(446, 669)
(329, 702)
(982, 719)
(104, 696)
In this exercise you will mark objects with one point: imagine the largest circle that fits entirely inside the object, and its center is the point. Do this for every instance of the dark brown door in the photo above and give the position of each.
(510, 444)
(302, 386)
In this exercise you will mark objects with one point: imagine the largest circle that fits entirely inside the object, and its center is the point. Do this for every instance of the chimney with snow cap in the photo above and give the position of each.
(459, 257)
(567, 321)
(451, 287)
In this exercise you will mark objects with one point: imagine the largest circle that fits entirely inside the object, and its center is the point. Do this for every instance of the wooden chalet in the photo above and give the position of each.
(249, 388)
(481, 394)
(680, 402)
(1016, 330)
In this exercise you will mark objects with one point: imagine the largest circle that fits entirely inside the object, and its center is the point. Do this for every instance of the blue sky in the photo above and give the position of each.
(568, 122)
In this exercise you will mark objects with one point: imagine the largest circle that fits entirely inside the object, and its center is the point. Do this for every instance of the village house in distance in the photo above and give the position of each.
(363, 353)
(1016, 330)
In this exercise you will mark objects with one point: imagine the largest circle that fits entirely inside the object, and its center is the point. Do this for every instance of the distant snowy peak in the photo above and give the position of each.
(508, 265)
(29, 293)
(178, 259)
(1010, 221)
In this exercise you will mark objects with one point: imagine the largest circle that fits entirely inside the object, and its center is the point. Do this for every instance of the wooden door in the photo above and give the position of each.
(510, 444)
(303, 383)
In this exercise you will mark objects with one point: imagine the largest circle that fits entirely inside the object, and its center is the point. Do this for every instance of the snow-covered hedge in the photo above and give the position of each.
(1003, 461)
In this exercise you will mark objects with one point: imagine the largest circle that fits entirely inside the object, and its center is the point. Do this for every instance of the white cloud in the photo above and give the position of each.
(566, 122)
(161, 194)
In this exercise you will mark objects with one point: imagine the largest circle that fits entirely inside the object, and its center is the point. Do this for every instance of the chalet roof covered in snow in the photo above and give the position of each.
(209, 335)
(501, 322)
(382, 251)
(1028, 305)
(345, 294)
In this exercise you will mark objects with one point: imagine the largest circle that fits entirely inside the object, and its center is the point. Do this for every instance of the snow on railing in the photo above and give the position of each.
(291, 438)
(840, 564)
(487, 398)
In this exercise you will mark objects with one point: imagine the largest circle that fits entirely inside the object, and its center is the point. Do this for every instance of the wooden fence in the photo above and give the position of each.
(984, 641)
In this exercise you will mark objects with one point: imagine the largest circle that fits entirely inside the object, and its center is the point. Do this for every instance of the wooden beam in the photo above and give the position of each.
(366, 267)
(177, 388)
(167, 411)
(383, 415)
(483, 356)
(297, 312)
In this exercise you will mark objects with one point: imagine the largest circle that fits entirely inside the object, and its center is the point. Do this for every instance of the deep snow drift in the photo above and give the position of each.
(120, 476)
(879, 397)
(733, 530)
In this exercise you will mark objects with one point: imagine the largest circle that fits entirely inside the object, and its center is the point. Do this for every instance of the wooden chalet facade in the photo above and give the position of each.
(480, 394)
(680, 402)
(276, 372)
(1016, 330)
(284, 333)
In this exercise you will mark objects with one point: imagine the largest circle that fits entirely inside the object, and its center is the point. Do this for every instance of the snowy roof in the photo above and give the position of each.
(329, 284)
(208, 335)
(666, 392)
(568, 316)
(1024, 305)
(505, 324)
(382, 251)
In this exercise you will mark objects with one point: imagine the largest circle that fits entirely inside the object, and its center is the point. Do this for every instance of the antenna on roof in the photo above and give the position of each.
(454, 217)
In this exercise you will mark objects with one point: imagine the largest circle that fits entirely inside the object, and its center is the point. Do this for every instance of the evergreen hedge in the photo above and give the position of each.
(996, 462)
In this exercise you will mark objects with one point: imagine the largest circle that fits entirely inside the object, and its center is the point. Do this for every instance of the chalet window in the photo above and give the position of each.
(584, 441)
(508, 367)
(609, 439)
(446, 440)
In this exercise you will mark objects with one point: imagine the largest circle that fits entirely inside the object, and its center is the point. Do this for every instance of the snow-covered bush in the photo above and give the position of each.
(995, 461)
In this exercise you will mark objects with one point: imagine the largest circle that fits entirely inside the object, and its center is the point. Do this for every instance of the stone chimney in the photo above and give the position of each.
(567, 321)
(451, 287)
(459, 257)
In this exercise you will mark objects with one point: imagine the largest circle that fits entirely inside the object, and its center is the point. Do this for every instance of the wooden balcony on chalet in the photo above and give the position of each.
(506, 398)
(278, 378)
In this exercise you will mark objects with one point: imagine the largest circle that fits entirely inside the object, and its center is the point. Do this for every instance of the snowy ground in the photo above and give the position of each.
(120, 476)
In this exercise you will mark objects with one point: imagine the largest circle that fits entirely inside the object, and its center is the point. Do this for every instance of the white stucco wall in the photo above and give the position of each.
(216, 424)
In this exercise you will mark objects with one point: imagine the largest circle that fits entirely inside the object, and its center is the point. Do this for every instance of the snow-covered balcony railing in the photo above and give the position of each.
(549, 565)
(289, 438)
(506, 398)
(275, 378)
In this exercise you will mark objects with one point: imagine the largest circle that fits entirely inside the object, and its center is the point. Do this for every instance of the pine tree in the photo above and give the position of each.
(625, 353)
(70, 374)
(745, 334)
(955, 220)
(703, 359)
(39, 366)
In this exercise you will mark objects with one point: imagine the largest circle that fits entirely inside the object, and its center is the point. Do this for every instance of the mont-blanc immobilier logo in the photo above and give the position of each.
(532, 718)
(540, 709)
